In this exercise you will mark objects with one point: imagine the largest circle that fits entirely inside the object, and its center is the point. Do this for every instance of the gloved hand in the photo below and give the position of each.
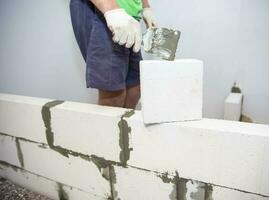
(149, 18)
(125, 29)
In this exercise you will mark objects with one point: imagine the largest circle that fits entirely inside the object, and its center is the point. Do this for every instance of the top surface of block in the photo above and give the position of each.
(171, 68)
(234, 98)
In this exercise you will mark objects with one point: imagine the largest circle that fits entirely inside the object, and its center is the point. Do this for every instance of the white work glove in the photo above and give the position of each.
(125, 29)
(149, 18)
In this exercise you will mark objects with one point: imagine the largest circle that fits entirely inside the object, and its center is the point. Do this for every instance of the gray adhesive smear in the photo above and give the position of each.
(113, 181)
(5, 164)
(161, 42)
(125, 130)
(180, 189)
(61, 193)
(203, 191)
(46, 115)
(107, 170)
(180, 185)
(208, 192)
(19, 152)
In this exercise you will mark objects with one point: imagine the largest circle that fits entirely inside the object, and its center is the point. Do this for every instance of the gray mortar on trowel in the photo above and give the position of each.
(161, 42)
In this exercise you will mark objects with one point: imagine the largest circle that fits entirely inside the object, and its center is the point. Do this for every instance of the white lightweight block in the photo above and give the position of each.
(74, 125)
(73, 171)
(171, 90)
(20, 116)
(88, 129)
(160, 186)
(44, 186)
(133, 184)
(8, 150)
(233, 107)
(225, 153)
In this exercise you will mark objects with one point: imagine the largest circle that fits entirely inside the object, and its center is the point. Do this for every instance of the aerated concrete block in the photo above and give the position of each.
(89, 129)
(233, 107)
(76, 171)
(133, 184)
(9, 150)
(21, 116)
(225, 153)
(171, 90)
(66, 124)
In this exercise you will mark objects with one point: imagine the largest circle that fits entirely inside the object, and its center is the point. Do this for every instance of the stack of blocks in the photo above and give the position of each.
(171, 90)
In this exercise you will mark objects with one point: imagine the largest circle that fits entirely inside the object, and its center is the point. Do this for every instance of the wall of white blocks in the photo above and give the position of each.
(82, 151)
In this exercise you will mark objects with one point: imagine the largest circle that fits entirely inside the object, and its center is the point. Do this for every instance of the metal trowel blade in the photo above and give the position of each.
(161, 42)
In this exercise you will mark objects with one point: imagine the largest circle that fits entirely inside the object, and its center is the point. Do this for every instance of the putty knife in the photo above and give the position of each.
(161, 42)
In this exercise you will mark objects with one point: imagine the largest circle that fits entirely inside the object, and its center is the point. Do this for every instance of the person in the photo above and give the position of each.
(109, 37)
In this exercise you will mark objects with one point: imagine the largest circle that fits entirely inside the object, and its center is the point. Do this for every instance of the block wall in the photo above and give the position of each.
(69, 150)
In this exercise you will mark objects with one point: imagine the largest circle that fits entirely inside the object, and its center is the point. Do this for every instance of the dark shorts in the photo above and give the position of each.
(109, 66)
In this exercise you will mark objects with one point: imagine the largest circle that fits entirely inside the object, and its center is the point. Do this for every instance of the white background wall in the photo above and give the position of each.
(39, 55)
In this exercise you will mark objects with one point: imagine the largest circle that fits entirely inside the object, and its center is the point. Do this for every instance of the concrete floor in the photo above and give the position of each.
(9, 191)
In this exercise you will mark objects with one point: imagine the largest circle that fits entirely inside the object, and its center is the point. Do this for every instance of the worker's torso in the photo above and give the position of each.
(132, 7)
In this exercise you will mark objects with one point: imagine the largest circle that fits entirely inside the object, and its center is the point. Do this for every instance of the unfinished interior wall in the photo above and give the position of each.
(69, 150)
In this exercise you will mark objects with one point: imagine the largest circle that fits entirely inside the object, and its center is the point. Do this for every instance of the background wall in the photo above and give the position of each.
(39, 55)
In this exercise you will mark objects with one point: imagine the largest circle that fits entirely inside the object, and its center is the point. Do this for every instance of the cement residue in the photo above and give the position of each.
(46, 115)
(42, 146)
(107, 170)
(113, 181)
(196, 190)
(100, 163)
(125, 130)
(4, 134)
(181, 187)
(6, 165)
(62, 195)
(208, 192)
(19, 152)
(128, 114)
(183, 191)
(162, 42)
(21, 139)
(166, 178)
(18, 147)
